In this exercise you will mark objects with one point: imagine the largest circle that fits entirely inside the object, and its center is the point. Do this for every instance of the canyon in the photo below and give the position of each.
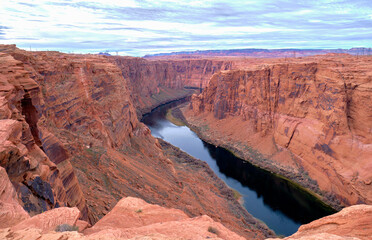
(73, 148)
(308, 120)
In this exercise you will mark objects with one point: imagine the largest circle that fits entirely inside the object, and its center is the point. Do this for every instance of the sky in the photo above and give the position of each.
(136, 28)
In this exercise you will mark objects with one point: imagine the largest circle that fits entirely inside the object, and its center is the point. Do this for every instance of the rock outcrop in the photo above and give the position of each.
(142, 218)
(131, 218)
(11, 212)
(350, 223)
(309, 120)
(49, 220)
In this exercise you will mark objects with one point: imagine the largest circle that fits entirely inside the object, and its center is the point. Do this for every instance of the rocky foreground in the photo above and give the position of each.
(309, 120)
(133, 218)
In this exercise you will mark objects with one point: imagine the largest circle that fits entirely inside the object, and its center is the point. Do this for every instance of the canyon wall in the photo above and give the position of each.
(154, 82)
(73, 122)
(309, 120)
(40, 183)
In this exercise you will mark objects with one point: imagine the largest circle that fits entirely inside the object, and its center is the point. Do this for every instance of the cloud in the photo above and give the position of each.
(141, 27)
(2, 31)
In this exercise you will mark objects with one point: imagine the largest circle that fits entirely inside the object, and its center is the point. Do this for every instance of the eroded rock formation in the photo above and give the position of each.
(309, 120)
(350, 223)
(131, 218)
(39, 183)
(11, 212)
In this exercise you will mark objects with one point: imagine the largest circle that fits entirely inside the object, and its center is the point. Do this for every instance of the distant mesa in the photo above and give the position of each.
(263, 53)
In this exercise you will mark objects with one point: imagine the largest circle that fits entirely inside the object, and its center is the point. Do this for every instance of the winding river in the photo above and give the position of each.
(273, 200)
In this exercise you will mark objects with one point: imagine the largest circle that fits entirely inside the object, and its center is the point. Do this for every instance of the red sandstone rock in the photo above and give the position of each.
(353, 222)
(34, 176)
(125, 221)
(307, 117)
(143, 219)
(154, 82)
(196, 228)
(137, 213)
(11, 211)
(48, 221)
(82, 225)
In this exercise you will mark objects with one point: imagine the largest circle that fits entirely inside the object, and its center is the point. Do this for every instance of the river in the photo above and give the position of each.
(281, 205)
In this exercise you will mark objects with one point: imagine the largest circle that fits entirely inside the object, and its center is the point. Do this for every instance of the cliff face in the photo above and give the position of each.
(309, 120)
(154, 82)
(40, 184)
(79, 117)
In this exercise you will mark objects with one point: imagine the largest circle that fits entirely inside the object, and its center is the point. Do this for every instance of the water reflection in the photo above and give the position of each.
(277, 193)
(275, 201)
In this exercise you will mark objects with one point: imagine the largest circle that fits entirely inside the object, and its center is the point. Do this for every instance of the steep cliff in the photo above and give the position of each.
(309, 120)
(83, 120)
(41, 185)
(156, 82)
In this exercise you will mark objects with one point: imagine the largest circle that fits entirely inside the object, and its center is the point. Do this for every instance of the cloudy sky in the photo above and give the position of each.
(134, 27)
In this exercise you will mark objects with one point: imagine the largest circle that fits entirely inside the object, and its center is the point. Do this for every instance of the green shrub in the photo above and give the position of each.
(213, 230)
(66, 228)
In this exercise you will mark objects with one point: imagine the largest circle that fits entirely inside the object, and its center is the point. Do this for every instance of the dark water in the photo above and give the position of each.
(275, 201)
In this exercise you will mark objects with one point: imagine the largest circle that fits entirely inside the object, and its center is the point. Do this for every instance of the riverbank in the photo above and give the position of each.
(191, 164)
(200, 190)
(299, 180)
(165, 96)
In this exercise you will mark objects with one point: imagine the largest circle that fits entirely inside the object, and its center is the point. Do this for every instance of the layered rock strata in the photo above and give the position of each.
(41, 185)
(309, 120)
(156, 82)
